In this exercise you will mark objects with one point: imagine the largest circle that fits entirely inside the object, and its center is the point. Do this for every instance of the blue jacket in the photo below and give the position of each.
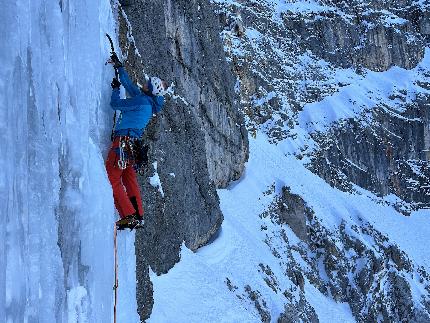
(136, 111)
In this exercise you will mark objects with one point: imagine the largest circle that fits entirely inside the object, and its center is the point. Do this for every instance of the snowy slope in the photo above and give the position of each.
(244, 275)
(196, 289)
(200, 279)
(366, 92)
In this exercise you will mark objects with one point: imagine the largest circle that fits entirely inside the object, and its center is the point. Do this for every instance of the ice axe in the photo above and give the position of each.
(113, 57)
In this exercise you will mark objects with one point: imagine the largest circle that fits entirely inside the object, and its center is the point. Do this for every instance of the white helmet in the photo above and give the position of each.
(157, 86)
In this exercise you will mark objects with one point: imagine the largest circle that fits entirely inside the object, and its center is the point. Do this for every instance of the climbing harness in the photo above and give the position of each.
(132, 151)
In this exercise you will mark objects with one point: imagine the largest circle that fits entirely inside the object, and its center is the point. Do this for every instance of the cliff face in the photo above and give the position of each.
(385, 149)
(198, 142)
(309, 80)
(296, 54)
(375, 34)
(387, 156)
(342, 89)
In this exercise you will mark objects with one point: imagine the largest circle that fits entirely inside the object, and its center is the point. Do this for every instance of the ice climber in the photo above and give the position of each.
(124, 155)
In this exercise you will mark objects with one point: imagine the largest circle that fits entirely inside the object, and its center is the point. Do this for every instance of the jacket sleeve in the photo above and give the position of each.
(120, 104)
(129, 86)
(158, 104)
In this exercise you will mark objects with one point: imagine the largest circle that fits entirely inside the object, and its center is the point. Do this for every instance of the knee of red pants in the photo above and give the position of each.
(122, 203)
(113, 171)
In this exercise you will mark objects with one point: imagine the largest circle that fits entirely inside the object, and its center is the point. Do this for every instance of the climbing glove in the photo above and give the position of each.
(116, 62)
(115, 83)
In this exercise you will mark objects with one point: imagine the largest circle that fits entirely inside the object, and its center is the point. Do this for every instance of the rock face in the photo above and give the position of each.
(278, 58)
(289, 54)
(294, 214)
(374, 280)
(286, 62)
(362, 34)
(198, 142)
(387, 156)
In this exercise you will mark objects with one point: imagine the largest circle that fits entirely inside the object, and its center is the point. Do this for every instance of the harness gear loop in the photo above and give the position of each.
(132, 151)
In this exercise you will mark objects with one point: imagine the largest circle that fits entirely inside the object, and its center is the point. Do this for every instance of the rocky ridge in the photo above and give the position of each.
(355, 264)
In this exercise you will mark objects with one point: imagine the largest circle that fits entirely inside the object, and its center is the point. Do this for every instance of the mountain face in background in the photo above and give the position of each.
(383, 149)
(345, 86)
(308, 75)
(289, 171)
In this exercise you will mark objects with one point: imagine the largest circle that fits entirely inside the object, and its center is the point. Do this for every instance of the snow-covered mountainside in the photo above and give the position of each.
(329, 221)
(289, 174)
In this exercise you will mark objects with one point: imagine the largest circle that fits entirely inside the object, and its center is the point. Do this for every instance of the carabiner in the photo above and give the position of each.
(122, 164)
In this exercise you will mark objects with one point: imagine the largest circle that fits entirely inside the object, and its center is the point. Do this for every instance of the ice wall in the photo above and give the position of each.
(56, 208)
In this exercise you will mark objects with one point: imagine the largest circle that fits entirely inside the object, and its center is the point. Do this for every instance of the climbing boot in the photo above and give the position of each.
(127, 222)
(136, 214)
(138, 221)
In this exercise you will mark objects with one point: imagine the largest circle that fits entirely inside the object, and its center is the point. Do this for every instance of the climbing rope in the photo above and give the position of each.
(115, 286)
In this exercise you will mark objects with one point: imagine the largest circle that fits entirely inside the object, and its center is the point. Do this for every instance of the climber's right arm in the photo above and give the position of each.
(121, 104)
(129, 86)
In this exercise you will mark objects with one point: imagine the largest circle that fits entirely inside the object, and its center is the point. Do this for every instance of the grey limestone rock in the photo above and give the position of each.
(354, 36)
(371, 278)
(385, 156)
(259, 304)
(198, 143)
(293, 211)
(179, 42)
(301, 311)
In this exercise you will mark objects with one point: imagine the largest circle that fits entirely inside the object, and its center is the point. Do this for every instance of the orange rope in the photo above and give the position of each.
(115, 286)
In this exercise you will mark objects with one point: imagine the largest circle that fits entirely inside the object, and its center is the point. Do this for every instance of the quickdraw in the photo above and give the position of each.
(123, 161)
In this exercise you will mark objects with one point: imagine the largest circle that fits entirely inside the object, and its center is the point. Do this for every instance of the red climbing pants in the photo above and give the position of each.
(124, 183)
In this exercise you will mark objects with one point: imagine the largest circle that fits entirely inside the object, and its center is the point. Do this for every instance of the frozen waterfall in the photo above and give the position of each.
(56, 205)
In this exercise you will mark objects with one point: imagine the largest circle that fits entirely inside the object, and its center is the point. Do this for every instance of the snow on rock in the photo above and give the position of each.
(293, 245)
(155, 180)
(372, 90)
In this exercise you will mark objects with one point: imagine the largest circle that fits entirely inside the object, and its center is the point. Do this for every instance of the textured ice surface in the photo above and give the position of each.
(56, 208)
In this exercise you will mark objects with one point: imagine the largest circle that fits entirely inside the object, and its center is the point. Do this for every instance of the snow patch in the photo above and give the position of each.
(155, 180)
(370, 91)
